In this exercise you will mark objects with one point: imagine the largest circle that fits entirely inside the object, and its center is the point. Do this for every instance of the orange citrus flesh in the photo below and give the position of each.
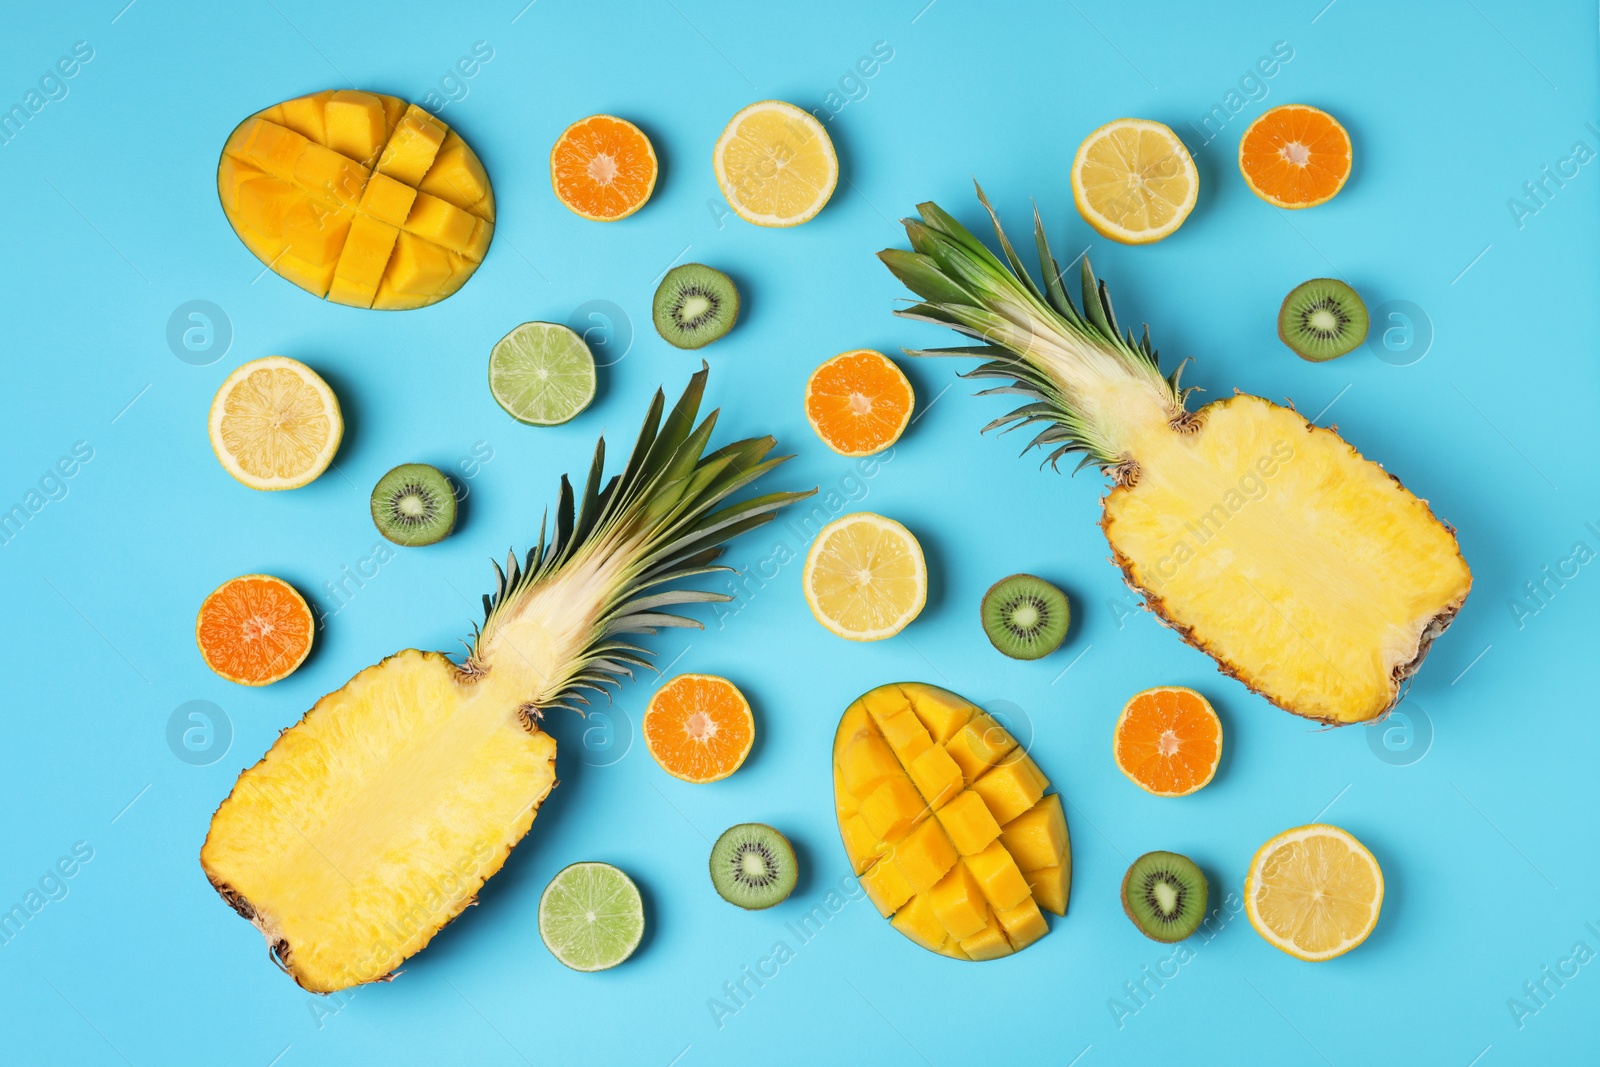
(699, 727)
(603, 168)
(254, 629)
(858, 402)
(1295, 156)
(1168, 741)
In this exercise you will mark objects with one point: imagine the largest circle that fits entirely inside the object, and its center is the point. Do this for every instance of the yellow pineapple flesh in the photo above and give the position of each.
(1307, 572)
(1274, 547)
(404, 791)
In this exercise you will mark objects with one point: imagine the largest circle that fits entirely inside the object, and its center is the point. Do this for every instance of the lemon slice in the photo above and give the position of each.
(1314, 892)
(775, 164)
(1133, 181)
(865, 577)
(275, 424)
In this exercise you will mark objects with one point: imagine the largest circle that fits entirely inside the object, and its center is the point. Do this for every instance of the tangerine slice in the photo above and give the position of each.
(254, 629)
(1295, 156)
(858, 402)
(603, 168)
(698, 727)
(1168, 741)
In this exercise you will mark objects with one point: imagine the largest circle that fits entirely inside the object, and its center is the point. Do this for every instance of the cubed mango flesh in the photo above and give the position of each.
(1038, 837)
(1050, 886)
(924, 855)
(860, 843)
(1009, 789)
(917, 921)
(414, 146)
(887, 888)
(998, 876)
(457, 176)
(959, 903)
(979, 745)
(387, 200)
(906, 751)
(355, 125)
(968, 822)
(866, 761)
(893, 808)
(906, 736)
(1023, 924)
(941, 711)
(989, 943)
(936, 775)
(318, 153)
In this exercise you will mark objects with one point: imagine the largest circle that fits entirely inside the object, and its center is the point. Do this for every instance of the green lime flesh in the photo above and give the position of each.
(542, 374)
(591, 916)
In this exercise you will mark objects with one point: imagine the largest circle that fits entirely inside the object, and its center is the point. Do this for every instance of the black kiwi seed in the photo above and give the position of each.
(414, 504)
(1025, 617)
(1322, 319)
(1165, 896)
(753, 866)
(694, 305)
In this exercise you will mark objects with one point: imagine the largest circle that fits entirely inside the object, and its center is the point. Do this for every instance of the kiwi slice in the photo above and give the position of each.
(695, 305)
(1165, 895)
(1322, 319)
(1025, 617)
(414, 504)
(753, 866)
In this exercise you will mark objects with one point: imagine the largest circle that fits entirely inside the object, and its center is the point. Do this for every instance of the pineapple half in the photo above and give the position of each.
(1307, 572)
(371, 824)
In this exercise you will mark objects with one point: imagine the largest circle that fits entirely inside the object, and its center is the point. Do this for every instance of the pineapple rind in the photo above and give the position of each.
(1308, 573)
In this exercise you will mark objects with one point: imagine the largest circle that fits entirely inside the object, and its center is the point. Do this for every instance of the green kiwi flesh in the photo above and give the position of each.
(1322, 319)
(753, 866)
(694, 305)
(1165, 896)
(1025, 617)
(414, 504)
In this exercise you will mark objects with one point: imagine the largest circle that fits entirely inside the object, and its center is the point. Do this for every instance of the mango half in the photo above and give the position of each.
(359, 198)
(948, 823)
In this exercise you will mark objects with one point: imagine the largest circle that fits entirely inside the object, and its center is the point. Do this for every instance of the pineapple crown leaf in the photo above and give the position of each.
(964, 285)
(665, 513)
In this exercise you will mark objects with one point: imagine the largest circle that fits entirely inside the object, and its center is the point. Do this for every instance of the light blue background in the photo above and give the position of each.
(111, 222)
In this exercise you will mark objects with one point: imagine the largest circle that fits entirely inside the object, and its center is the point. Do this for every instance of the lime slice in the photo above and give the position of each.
(591, 917)
(541, 373)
